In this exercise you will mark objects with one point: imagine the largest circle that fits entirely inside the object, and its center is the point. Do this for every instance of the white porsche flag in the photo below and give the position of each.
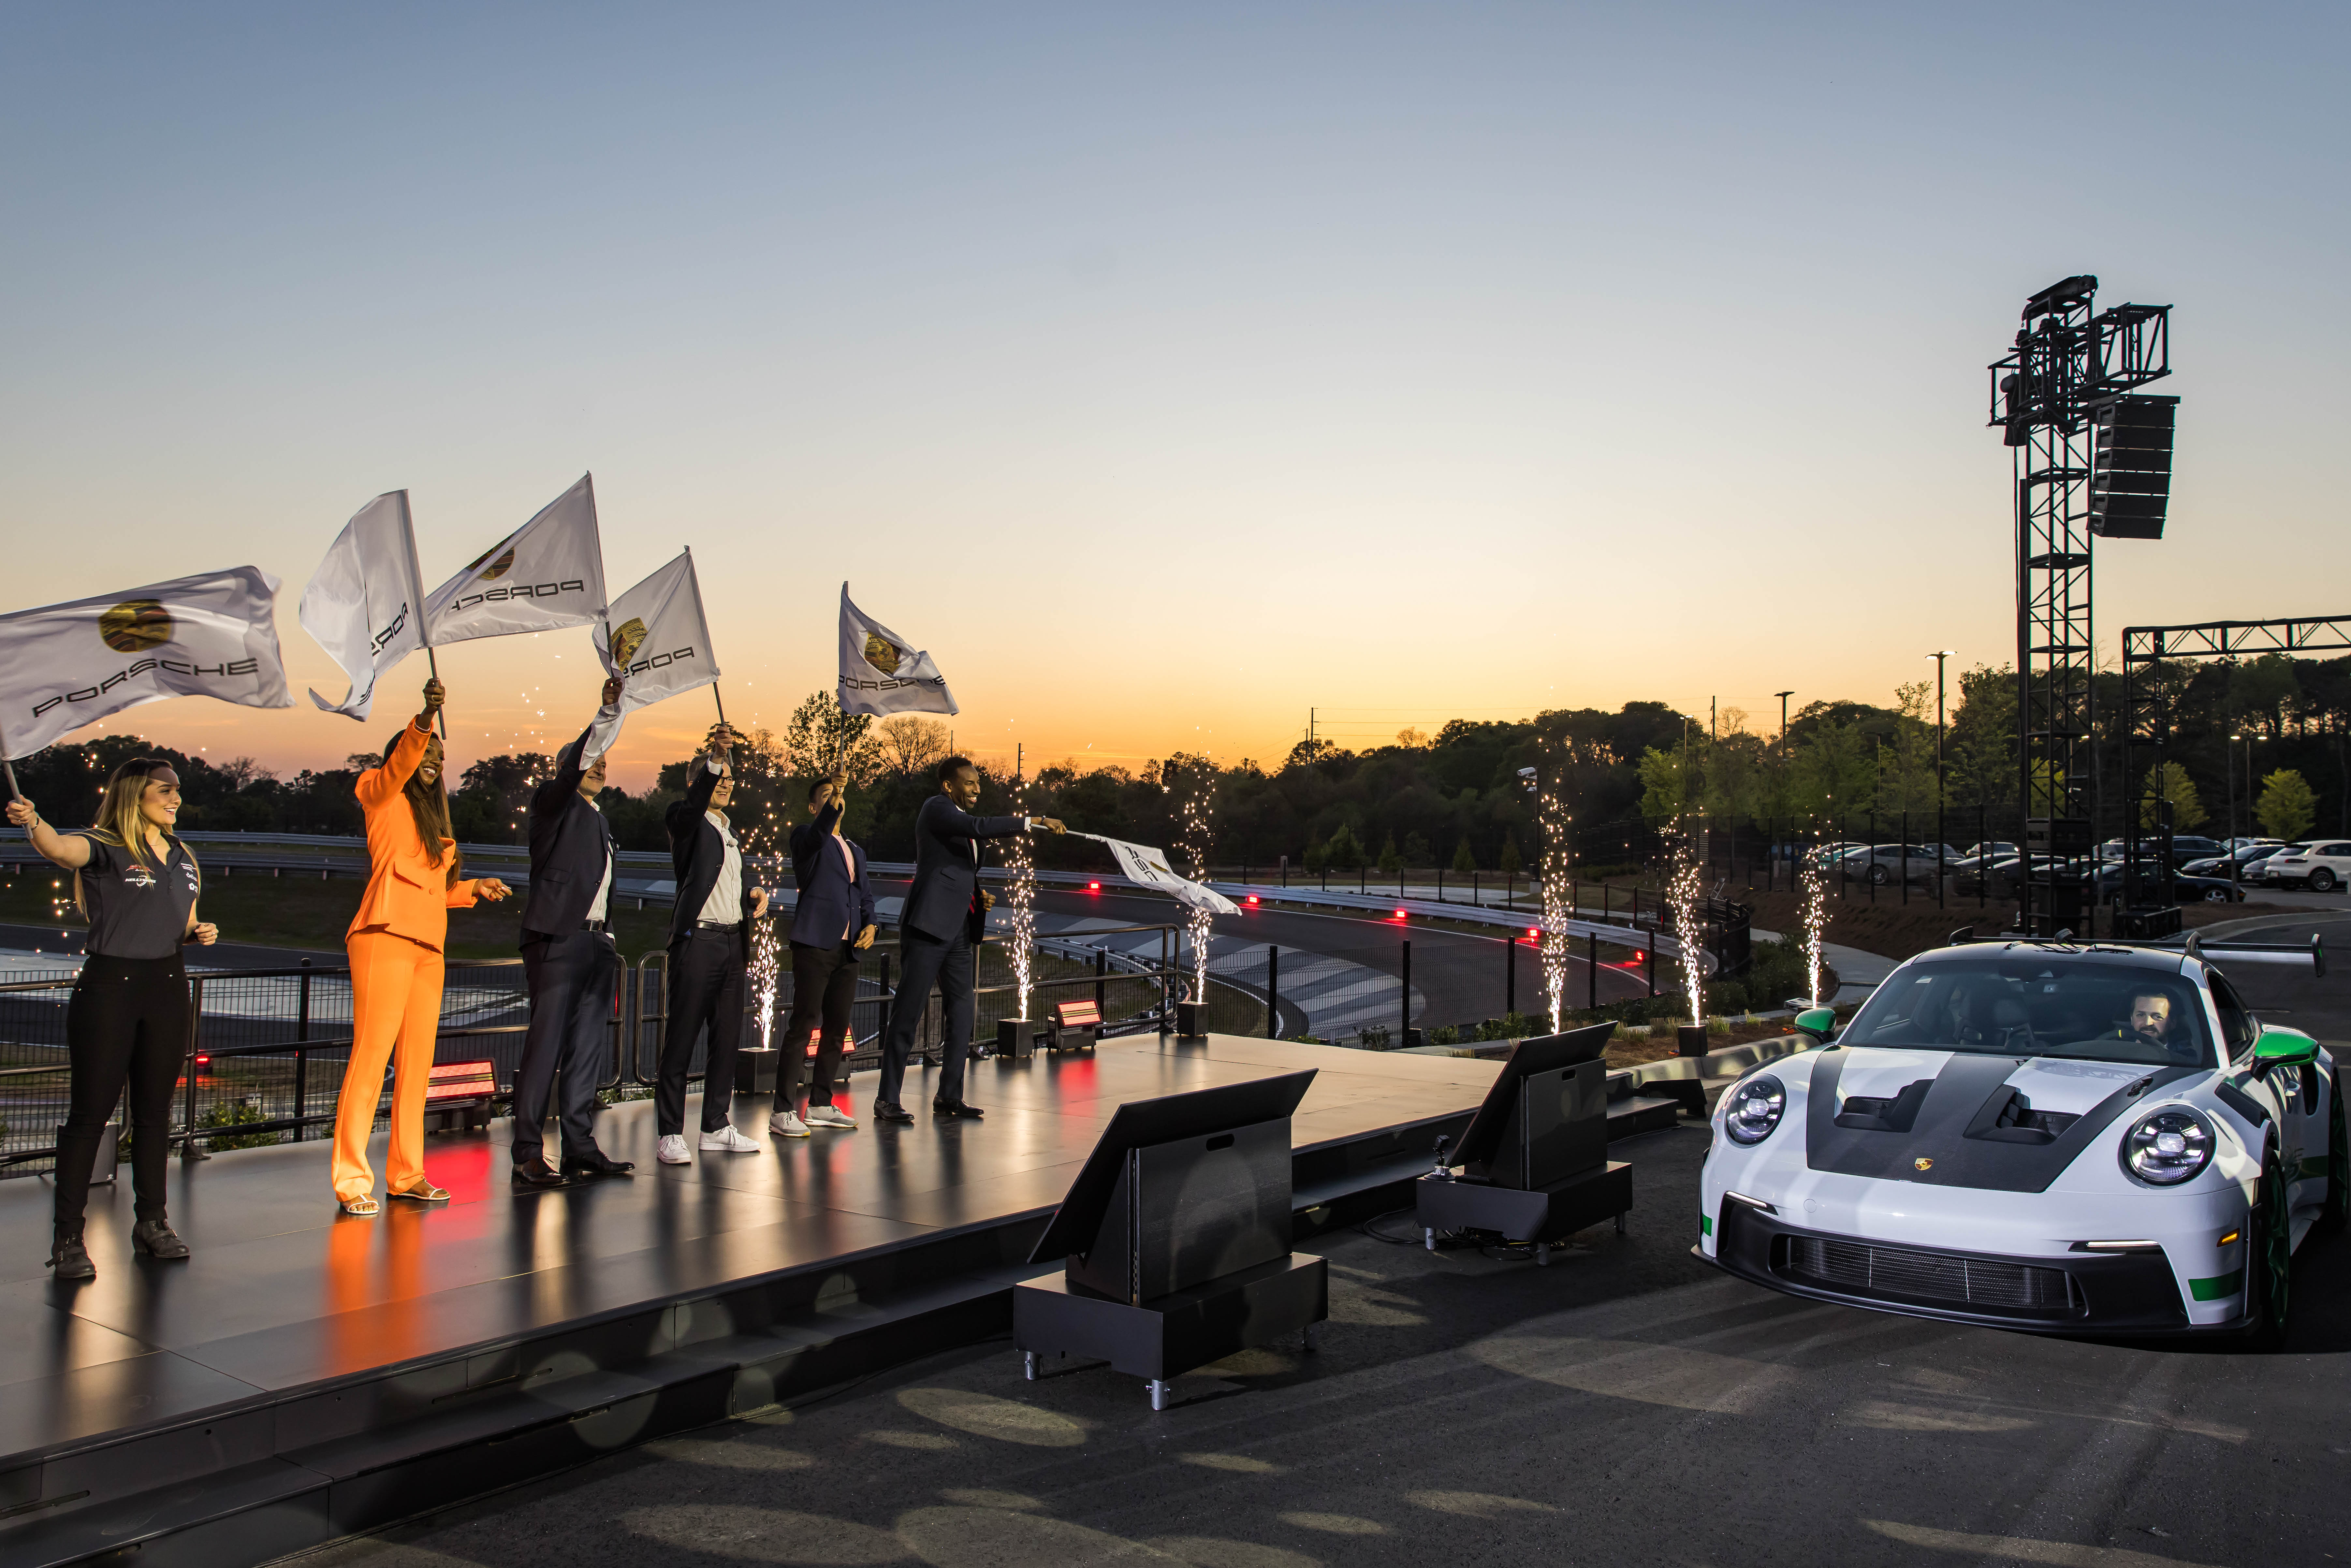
(658, 641)
(66, 665)
(364, 605)
(880, 675)
(548, 573)
(1148, 867)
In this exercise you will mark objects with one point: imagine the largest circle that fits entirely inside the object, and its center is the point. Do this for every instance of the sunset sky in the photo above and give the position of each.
(1164, 371)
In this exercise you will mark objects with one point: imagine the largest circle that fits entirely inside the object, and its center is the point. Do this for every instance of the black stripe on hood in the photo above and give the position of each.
(1951, 1126)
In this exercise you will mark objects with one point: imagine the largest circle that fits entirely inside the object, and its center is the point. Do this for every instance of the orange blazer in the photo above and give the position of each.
(405, 894)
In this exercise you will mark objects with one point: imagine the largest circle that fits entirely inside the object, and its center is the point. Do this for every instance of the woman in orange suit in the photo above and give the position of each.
(395, 943)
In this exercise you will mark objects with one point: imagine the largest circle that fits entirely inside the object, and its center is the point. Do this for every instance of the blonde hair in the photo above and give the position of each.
(119, 821)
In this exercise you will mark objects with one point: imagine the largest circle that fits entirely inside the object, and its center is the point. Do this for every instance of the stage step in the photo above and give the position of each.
(1638, 1114)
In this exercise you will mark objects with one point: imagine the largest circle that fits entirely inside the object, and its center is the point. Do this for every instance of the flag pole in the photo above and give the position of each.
(713, 685)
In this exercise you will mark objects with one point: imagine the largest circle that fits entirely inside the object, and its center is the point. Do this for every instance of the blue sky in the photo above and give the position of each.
(1164, 371)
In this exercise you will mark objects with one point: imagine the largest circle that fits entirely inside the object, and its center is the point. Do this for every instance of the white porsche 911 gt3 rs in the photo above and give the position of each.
(2062, 1137)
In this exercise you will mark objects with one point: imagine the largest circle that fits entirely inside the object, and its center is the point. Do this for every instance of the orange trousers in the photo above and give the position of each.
(396, 1019)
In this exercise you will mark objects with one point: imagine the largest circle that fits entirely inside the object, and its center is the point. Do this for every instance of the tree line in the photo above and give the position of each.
(1457, 799)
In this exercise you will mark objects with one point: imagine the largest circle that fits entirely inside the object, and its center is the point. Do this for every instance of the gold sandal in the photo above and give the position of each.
(363, 1205)
(427, 1193)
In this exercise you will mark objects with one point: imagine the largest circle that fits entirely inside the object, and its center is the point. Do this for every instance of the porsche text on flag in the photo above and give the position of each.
(65, 666)
(880, 674)
(546, 574)
(657, 640)
(1148, 867)
(364, 605)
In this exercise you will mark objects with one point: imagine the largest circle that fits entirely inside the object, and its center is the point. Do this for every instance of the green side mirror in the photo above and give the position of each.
(1818, 1022)
(2283, 1047)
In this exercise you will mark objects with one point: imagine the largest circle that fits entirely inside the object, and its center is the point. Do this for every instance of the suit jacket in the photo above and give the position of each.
(698, 854)
(405, 894)
(829, 895)
(570, 845)
(943, 899)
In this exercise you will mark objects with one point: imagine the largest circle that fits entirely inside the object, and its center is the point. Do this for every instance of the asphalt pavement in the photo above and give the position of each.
(1625, 1405)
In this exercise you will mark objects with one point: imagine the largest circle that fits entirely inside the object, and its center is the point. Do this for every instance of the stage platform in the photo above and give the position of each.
(307, 1375)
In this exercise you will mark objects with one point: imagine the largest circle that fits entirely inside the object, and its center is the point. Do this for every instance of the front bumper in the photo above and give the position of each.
(2083, 1293)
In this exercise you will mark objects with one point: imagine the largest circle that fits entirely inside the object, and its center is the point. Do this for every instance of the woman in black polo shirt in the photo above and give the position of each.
(128, 1021)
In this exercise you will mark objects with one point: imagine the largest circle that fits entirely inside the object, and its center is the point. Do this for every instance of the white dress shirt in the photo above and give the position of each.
(604, 888)
(724, 904)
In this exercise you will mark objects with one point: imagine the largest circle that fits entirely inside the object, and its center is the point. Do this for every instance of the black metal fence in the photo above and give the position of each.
(268, 1048)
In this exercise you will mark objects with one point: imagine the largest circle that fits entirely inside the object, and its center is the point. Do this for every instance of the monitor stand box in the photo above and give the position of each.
(1534, 1161)
(1176, 1237)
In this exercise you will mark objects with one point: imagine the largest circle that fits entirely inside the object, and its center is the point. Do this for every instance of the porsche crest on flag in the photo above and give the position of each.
(880, 674)
(657, 640)
(1148, 867)
(66, 665)
(364, 604)
(548, 573)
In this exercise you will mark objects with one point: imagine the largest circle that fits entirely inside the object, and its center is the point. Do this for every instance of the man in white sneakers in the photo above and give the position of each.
(709, 947)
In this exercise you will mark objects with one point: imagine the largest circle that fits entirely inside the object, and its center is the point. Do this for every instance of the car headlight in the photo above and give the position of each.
(1754, 1110)
(2168, 1147)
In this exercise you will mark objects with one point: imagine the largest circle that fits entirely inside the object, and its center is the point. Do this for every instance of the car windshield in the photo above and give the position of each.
(2033, 1002)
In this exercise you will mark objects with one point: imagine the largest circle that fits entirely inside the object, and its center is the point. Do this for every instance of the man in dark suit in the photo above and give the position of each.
(832, 924)
(709, 947)
(569, 958)
(939, 930)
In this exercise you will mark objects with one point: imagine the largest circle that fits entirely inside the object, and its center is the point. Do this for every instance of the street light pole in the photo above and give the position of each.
(1941, 870)
(2236, 851)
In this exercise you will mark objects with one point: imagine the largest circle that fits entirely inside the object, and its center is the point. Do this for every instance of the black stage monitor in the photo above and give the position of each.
(1142, 1123)
(1542, 1053)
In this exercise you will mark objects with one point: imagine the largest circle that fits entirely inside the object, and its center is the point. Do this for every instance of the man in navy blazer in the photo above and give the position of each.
(939, 930)
(570, 963)
(832, 923)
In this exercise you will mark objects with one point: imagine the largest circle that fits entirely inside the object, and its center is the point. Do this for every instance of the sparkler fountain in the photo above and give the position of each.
(1816, 902)
(1197, 833)
(1558, 885)
(1016, 1036)
(1682, 893)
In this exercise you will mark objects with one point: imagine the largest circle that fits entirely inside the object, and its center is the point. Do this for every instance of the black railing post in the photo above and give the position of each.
(1101, 968)
(188, 1150)
(1905, 857)
(1982, 866)
(1404, 1029)
(1649, 956)
(1591, 973)
(1272, 992)
(302, 1053)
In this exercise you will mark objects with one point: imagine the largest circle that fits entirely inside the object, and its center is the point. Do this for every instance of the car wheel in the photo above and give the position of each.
(2338, 1208)
(1877, 876)
(2321, 881)
(2216, 896)
(2269, 1261)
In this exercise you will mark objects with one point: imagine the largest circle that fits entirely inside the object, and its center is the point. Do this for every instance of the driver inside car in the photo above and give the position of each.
(2151, 1021)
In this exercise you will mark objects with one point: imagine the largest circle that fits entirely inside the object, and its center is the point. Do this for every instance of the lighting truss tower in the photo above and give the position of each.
(2071, 365)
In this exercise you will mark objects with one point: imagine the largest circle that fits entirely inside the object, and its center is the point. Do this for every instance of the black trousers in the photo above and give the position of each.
(949, 964)
(824, 987)
(128, 1022)
(706, 991)
(571, 976)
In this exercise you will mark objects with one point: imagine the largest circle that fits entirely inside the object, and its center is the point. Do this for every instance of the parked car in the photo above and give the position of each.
(2263, 871)
(2185, 889)
(2184, 847)
(1882, 864)
(2321, 865)
(1988, 851)
(2243, 856)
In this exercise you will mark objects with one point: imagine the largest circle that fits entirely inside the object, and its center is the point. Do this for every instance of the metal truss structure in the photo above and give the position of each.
(2069, 361)
(2146, 719)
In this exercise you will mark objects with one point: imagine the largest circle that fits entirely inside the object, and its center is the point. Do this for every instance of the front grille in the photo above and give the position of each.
(1929, 1276)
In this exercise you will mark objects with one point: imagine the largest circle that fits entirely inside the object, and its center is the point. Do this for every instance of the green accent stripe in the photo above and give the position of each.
(2227, 1284)
(1706, 1225)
